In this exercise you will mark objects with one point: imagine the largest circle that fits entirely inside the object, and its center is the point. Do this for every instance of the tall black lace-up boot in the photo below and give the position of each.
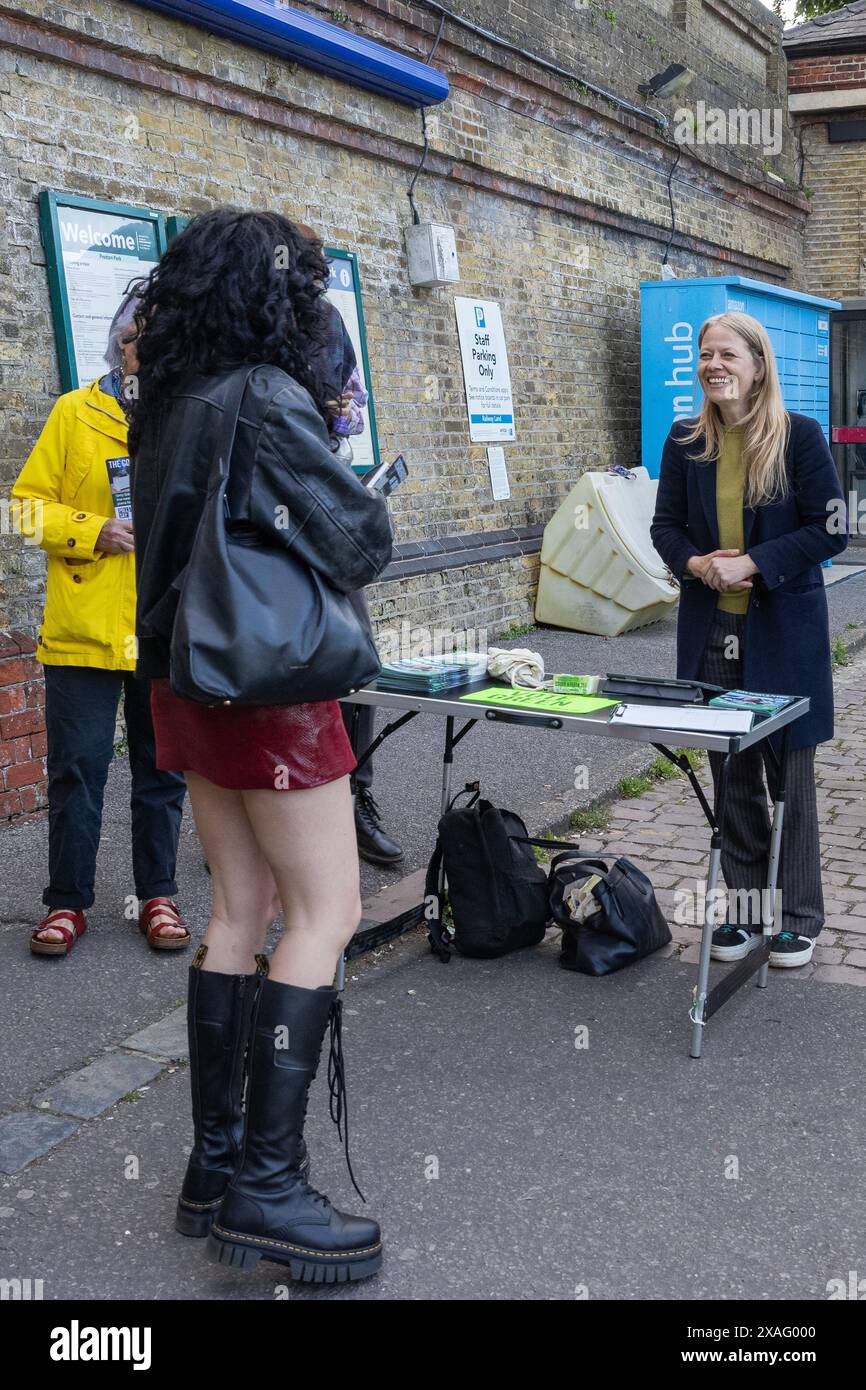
(219, 1017)
(270, 1211)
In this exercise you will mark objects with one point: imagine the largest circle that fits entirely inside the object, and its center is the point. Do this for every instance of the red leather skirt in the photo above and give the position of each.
(247, 747)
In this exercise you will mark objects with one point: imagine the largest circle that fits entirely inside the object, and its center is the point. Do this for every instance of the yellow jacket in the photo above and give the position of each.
(62, 499)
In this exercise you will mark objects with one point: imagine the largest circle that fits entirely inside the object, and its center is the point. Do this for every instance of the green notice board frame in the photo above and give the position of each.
(344, 292)
(93, 248)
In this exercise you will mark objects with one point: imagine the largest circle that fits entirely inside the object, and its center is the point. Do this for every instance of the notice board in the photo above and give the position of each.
(93, 250)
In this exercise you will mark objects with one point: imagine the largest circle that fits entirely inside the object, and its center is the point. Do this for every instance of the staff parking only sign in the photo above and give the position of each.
(485, 370)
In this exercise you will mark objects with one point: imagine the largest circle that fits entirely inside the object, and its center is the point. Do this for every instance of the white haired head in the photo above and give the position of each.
(123, 320)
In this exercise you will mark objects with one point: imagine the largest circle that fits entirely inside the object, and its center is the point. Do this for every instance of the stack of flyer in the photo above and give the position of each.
(427, 675)
(751, 700)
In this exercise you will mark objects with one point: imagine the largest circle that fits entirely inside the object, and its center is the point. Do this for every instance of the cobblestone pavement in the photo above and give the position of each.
(664, 831)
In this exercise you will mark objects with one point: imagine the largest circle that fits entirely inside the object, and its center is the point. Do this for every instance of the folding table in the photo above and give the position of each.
(448, 706)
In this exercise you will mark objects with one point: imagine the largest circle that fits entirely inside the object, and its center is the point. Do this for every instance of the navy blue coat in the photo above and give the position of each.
(787, 640)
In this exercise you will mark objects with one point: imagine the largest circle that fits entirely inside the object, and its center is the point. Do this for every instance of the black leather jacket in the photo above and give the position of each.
(283, 481)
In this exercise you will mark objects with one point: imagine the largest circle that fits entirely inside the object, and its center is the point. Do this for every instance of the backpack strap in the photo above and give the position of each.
(471, 787)
(562, 845)
(439, 944)
(437, 934)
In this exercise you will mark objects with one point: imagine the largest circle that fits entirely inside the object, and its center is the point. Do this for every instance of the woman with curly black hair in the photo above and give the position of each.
(269, 785)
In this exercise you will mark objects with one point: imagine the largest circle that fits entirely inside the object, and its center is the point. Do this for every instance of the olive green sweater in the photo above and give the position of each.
(729, 508)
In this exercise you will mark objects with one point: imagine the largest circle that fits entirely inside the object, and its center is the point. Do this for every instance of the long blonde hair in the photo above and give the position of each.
(767, 425)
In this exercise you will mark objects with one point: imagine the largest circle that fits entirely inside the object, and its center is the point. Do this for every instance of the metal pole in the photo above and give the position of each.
(700, 993)
(447, 764)
(768, 898)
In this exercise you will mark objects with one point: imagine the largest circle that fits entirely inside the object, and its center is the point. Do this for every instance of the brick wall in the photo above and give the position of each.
(23, 743)
(834, 175)
(833, 72)
(559, 200)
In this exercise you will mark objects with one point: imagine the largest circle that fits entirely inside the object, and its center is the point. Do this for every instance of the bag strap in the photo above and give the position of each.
(561, 845)
(472, 790)
(600, 865)
(229, 426)
(435, 930)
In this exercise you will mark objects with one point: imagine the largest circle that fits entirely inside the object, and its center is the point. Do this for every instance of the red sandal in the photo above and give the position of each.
(162, 912)
(70, 924)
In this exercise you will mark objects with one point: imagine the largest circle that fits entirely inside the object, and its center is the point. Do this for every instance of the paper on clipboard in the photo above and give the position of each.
(700, 718)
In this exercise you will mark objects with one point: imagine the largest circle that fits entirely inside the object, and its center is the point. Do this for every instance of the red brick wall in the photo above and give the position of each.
(829, 73)
(23, 741)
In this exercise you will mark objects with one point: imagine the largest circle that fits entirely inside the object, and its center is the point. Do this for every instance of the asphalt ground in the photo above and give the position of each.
(502, 1161)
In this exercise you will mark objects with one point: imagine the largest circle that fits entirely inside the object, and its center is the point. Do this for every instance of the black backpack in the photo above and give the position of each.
(498, 894)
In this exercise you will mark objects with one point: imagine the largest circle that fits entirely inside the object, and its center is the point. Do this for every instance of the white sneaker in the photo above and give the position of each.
(789, 949)
(732, 943)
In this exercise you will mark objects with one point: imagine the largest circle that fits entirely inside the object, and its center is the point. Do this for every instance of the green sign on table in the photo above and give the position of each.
(544, 700)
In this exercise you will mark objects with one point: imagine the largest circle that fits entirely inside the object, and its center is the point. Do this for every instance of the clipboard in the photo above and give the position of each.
(684, 718)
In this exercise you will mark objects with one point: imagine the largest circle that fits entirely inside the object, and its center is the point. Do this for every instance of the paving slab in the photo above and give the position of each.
(88, 1092)
(27, 1135)
(166, 1038)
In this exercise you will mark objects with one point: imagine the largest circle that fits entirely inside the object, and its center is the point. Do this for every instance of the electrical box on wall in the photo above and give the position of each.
(432, 254)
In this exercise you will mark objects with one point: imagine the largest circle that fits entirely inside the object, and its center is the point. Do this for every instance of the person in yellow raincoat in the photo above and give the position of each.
(72, 496)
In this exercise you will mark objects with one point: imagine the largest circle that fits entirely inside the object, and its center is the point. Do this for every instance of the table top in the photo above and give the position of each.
(448, 703)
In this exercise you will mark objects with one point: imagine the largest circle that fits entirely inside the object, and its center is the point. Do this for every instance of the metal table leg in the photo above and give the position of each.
(697, 1012)
(768, 899)
(451, 741)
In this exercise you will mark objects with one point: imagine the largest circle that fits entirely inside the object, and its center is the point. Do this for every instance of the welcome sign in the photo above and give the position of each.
(93, 250)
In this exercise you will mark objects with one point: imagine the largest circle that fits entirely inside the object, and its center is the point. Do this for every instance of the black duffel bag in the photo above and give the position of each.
(496, 891)
(628, 926)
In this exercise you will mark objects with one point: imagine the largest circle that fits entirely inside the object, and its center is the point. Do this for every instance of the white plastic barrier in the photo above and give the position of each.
(599, 570)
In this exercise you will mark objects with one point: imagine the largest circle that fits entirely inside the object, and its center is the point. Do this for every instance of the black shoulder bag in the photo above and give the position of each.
(255, 625)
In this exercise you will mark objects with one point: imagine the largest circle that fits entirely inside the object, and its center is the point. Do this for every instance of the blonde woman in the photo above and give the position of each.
(749, 504)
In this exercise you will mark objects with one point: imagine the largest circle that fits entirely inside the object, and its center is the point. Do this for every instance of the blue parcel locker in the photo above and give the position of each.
(672, 312)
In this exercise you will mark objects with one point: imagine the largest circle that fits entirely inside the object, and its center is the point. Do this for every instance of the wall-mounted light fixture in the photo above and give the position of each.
(667, 83)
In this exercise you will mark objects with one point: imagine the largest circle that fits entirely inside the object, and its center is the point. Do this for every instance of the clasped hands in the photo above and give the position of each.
(724, 570)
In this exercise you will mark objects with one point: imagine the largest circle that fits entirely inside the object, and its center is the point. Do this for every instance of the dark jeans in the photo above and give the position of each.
(362, 780)
(80, 715)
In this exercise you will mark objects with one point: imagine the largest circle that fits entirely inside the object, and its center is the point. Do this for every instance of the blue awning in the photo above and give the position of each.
(314, 43)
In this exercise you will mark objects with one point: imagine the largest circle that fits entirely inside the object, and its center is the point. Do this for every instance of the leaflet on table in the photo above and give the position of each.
(684, 718)
(427, 675)
(538, 699)
(750, 699)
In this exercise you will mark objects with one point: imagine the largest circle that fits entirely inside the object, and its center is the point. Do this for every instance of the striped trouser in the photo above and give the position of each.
(746, 835)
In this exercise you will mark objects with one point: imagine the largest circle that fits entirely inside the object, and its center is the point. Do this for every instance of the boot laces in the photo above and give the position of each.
(368, 808)
(337, 1085)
